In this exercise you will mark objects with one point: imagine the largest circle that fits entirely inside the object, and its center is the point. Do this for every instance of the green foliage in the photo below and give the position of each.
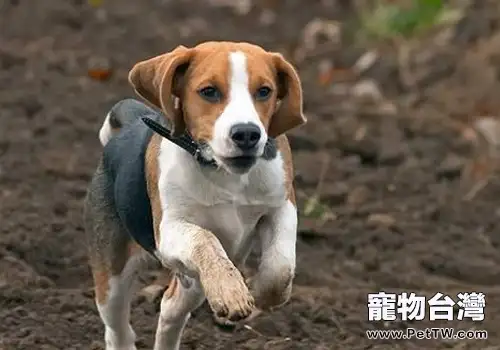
(315, 209)
(390, 19)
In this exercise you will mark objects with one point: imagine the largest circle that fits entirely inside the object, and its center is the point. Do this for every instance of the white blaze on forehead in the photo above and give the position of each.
(239, 109)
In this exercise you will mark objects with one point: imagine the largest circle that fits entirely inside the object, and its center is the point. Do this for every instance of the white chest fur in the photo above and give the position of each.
(228, 205)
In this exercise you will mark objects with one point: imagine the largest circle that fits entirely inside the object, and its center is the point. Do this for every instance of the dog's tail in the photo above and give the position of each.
(121, 114)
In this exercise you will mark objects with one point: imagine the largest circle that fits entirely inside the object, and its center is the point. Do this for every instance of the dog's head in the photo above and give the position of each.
(230, 97)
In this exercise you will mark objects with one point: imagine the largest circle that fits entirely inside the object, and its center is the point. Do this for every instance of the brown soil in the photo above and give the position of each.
(405, 166)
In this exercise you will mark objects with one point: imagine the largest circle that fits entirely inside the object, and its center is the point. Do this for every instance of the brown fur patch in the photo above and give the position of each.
(102, 272)
(152, 178)
(209, 66)
(101, 282)
(286, 153)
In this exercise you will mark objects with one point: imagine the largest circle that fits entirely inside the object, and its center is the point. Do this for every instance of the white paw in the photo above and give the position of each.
(122, 342)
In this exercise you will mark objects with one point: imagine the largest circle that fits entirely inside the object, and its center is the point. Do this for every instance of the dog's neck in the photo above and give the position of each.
(263, 184)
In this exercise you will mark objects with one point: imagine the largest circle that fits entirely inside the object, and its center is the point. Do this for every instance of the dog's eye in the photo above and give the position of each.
(211, 94)
(263, 93)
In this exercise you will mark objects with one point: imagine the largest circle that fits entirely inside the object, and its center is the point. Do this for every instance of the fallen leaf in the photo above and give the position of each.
(337, 75)
(325, 72)
(325, 77)
(99, 74)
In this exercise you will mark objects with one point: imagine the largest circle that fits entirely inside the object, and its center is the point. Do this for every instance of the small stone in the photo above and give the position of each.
(97, 345)
(368, 91)
(241, 7)
(101, 15)
(100, 63)
(358, 196)
(489, 127)
(365, 62)
(391, 155)
(451, 167)
(387, 108)
(60, 209)
(381, 220)
(9, 59)
(340, 89)
(267, 17)
(365, 148)
(31, 106)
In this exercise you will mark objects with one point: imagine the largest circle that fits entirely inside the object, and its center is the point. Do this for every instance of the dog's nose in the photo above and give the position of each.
(245, 135)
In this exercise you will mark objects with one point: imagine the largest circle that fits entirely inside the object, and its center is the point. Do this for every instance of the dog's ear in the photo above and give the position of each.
(159, 81)
(289, 113)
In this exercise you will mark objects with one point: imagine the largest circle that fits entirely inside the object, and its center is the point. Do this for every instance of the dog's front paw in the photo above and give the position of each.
(122, 340)
(225, 323)
(228, 295)
(131, 347)
(271, 293)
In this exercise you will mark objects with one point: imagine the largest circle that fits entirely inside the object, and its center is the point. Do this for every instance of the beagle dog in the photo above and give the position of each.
(197, 216)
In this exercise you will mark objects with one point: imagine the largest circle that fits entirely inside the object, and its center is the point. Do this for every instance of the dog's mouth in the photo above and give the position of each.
(234, 164)
(239, 164)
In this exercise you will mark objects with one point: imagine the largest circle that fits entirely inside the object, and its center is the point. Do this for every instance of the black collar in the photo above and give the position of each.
(185, 141)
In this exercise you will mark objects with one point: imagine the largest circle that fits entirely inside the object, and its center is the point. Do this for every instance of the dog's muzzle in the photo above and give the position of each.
(240, 164)
(245, 136)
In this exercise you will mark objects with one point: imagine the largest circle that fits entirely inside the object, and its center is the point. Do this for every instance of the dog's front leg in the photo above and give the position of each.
(197, 253)
(272, 285)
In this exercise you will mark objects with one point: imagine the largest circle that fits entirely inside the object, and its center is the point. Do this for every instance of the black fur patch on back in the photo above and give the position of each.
(124, 161)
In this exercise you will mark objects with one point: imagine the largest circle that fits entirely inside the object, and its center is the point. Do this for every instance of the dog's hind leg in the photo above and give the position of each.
(114, 260)
(183, 296)
(113, 296)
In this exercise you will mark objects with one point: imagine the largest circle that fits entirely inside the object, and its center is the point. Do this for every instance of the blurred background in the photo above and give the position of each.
(395, 169)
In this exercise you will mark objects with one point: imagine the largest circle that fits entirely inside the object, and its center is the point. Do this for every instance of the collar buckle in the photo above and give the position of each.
(185, 141)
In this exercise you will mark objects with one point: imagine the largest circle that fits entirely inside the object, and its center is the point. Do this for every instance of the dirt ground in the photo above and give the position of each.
(388, 168)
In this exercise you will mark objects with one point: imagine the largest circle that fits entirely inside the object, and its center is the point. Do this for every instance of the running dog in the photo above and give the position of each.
(192, 180)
